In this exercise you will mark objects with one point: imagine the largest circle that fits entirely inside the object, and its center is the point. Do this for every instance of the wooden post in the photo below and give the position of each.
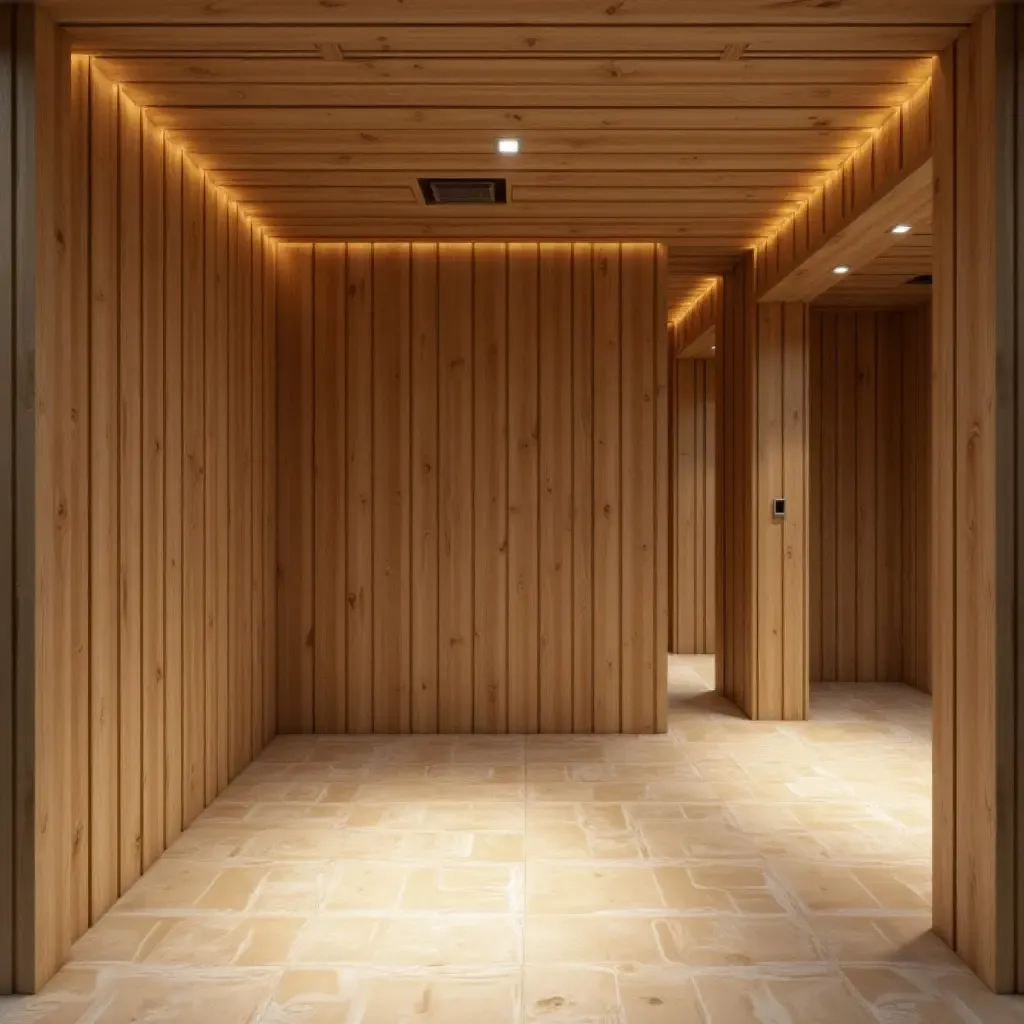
(762, 558)
(976, 614)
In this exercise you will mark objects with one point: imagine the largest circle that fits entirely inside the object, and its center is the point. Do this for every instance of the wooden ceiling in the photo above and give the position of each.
(884, 283)
(698, 122)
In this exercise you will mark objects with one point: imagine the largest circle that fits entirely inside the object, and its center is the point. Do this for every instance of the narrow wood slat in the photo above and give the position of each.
(330, 595)
(194, 484)
(455, 495)
(523, 487)
(608, 530)
(555, 550)
(867, 508)
(223, 681)
(361, 443)
(173, 752)
(583, 487)
(153, 492)
(295, 536)
(79, 299)
(490, 494)
(846, 501)
(391, 499)
(424, 458)
(130, 457)
(270, 502)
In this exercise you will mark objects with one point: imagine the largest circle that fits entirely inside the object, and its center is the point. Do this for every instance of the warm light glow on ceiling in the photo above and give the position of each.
(841, 269)
(901, 229)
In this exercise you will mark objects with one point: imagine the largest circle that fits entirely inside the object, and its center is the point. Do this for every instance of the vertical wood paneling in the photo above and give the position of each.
(79, 503)
(295, 712)
(608, 483)
(116, 328)
(523, 488)
(270, 427)
(555, 334)
(194, 483)
(867, 508)
(583, 487)
(130, 495)
(692, 506)
(866, 361)
(828, 563)
(7, 518)
(329, 462)
(153, 498)
(490, 497)
(425, 545)
(214, 467)
(455, 465)
(173, 752)
(482, 398)
(846, 499)
(223, 680)
(359, 526)
(104, 444)
(390, 496)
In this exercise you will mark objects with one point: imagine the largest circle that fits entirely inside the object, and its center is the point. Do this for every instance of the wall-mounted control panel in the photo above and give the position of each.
(778, 508)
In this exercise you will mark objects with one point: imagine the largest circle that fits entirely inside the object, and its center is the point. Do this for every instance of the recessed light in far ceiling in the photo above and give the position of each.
(508, 145)
(901, 229)
(841, 269)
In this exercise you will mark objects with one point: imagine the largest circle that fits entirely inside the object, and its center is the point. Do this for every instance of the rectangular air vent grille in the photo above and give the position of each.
(463, 191)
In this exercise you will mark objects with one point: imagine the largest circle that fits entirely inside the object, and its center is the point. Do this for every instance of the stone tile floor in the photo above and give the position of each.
(727, 873)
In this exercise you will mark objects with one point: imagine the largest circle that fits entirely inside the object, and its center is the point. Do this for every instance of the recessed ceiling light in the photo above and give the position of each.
(508, 145)
(901, 229)
(840, 270)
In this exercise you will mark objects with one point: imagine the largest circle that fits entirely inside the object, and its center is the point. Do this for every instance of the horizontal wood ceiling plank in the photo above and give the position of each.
(623, 12)
(697, 224)
(441, 165)
(411, 141)
(693, 199)
(726, 244)
(510, 120)
(518, 70)
(595, 40)
(620, 94)
(752, 184)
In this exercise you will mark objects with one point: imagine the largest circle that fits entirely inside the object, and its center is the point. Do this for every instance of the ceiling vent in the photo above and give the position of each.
(921, 279)
(463, 191)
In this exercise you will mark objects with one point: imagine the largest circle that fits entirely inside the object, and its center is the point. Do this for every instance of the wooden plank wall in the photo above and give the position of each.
(473, 488)
(136, 327)
(692, 512)
(977, 453)
(8, 538)
(761, 405)
(868, 422)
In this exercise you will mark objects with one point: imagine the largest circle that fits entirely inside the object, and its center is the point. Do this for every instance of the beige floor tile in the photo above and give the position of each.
(364, 886)
(568, 995)
(907, 996)
(592, 939)
(893, 940)
(449, 941)
(477, 888)
(86, 995)
(734, 941)
(552, 888)
(346, 997)
(724, 888)
(808, 999)
(228, 941)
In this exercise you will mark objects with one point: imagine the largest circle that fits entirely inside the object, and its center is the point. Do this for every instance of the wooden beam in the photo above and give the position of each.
(846, 221)
(695, 323)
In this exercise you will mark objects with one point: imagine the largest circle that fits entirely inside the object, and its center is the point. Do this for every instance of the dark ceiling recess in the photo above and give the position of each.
(921, 279)
(463, 191)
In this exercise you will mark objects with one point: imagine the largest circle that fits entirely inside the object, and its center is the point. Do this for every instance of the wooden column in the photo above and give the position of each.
(37, 839)
(762, 559)
(976, 614)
